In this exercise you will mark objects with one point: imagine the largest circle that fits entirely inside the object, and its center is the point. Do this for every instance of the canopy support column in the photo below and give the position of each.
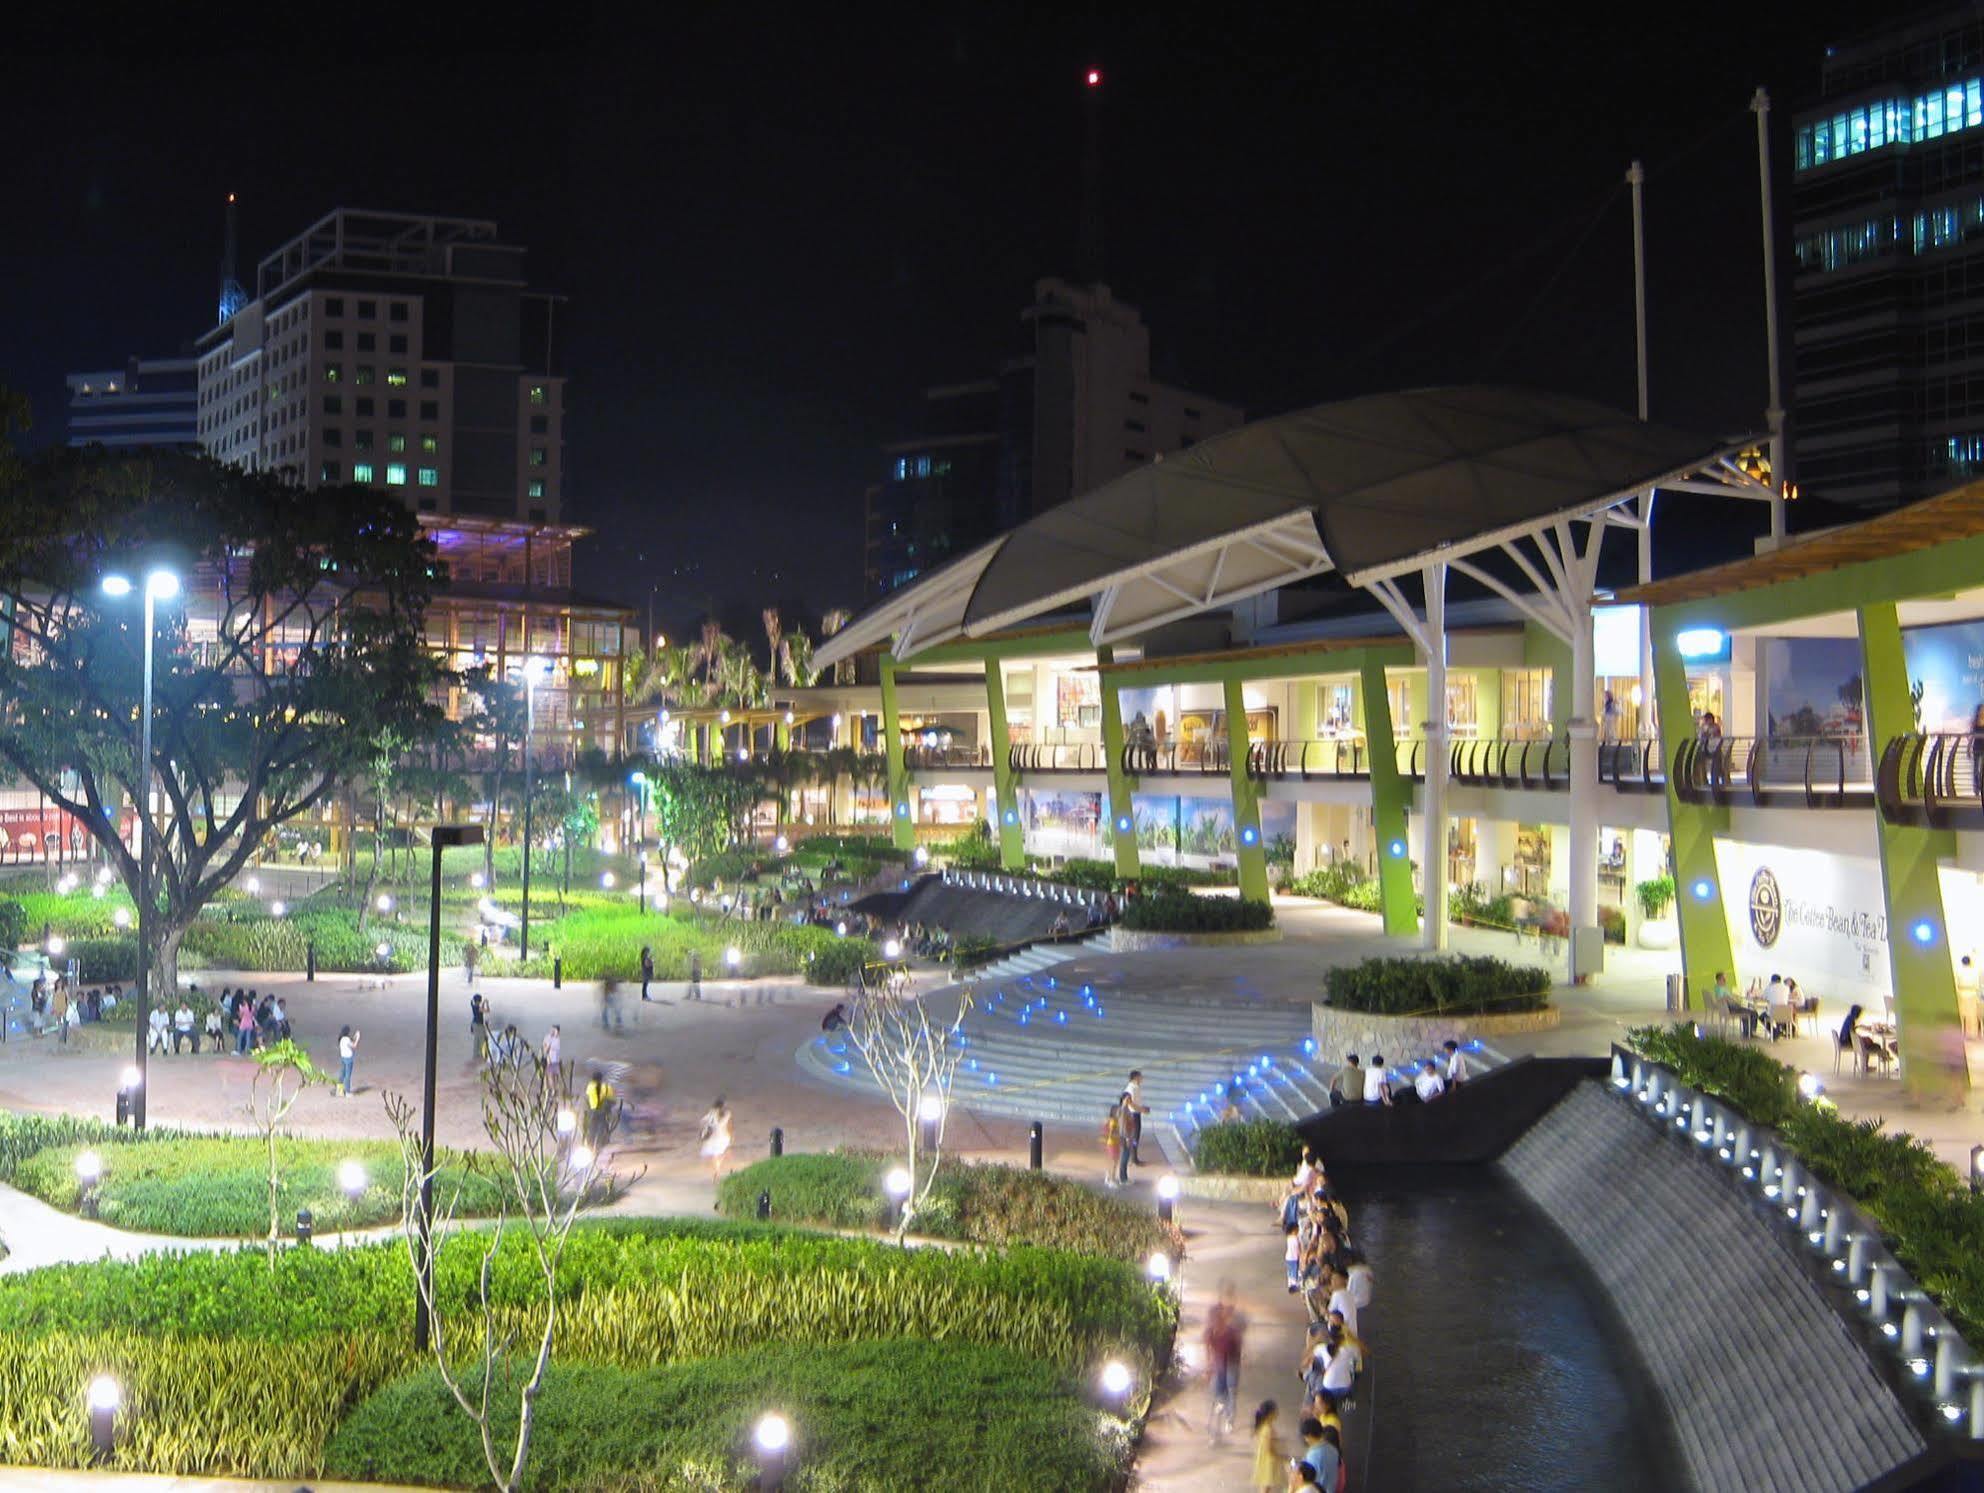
(1698, 903)
(1933, 1065)
(1250, 853)
(1012, 842)
(1122, 810)
(1391, 796)
(902, 829)
(1433, 841)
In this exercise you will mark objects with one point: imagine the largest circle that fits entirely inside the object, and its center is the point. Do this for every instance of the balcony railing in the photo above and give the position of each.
(1336, 757)
(1932, 778)
(1816, 771)
(1205, 755)
(926, 758)
(1067, 756)
(1538, 763)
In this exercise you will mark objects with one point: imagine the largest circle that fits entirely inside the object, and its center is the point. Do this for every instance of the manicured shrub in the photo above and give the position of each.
(13, 924)
(74, 915)
(1464, 985)
(1102, 876)
(1924, 1209)
(882, 1415)
(1248, 1148)
(1174, 910)
(218, 1186)
(192, 1405)
(973, 1203)
(229, 939)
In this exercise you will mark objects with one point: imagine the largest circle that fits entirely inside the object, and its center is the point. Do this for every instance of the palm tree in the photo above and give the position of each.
(710, 650)
(834, 620)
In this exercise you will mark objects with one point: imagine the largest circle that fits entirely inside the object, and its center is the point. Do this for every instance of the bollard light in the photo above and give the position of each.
(897, 1183)
(1809, 1086)
(276, 909)
(781, 844)
(582, 1158)
(921, 857)
(130, 1078)
(55, 945)
(385, 902)
(103, 1396)
(352, 1178)
(771, 1439)
(1977, 1168)
(252, 886)
(305, 1224)
(733, 956)
(121, 917)
(475, 880)
(1167, 1197)
(89, 1168)
(1158, 1267)
(383, 950)
(568, 1121)
(892, 950)
(840, 929)
(1116, 1378)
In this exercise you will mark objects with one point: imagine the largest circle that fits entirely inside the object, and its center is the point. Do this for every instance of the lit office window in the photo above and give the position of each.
(537, 456)
(430, 444)
(536, 488)
(333, 372)
(537, 394)
(396, 377)
(430, 477)
(396, 474)
(361, 471)
(364, 374)
(328, 472)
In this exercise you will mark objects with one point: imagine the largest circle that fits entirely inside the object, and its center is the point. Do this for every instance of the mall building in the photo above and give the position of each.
(1103, 681)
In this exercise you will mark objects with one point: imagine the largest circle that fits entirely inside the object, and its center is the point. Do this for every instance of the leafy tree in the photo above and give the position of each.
(297, 646)
(283, 1071)
(499, 714)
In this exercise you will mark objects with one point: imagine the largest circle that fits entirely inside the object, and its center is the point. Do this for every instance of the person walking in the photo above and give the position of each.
(478, 1024)
(60, 1010)
(1222, 1336)
(647, 970)
(716, 1136)
(1270, 1472)
(347, 1056)
(1112, 1145)
(1134, 1110)
(553, 1065)
(471, 959)
(695, 974)
(609, 1004)
(599, 1110)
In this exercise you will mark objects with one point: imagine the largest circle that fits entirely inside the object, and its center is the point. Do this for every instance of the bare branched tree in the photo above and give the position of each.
(283, 1071)
(548, 1181)
(913, 1053)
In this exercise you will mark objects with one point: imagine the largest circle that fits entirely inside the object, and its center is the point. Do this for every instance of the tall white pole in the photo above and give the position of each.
(1636, 179)
(1780, 473)
(1433, 846)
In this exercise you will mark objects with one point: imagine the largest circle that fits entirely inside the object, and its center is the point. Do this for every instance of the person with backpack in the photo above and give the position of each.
(599, 1110)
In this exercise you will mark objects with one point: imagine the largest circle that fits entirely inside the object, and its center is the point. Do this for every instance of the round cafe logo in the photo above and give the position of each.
(1766, 908)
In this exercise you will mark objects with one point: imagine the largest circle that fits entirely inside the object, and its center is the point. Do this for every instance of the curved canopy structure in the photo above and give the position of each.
(1372, 487)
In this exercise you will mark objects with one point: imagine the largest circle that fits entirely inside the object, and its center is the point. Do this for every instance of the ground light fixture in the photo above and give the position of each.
(103, 1396)
(922, 856)
(567, 1121)
(892, 950)
(840, 928)
(89, 1172)
(121, 917)
(97, 891)
(55, 946)
(930, 1114)
(277, 909)
(733, 956)
(351, 1178)
(385, 902)
(1167, 1197)
(781, 844)
(1977, 1168)
(252, 886)
(606, 880)
(1809, 1086)
(475, 880)
(131, 1077)
(1158, 1267)
(384, 951)
(582, 1158)
(1116, 1379)
(771, 1440)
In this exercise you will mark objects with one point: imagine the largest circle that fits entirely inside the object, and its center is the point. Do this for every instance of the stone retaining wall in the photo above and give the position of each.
(1397, 1037)
(1764, 1385)
(1226, 1188)
(1132, 941)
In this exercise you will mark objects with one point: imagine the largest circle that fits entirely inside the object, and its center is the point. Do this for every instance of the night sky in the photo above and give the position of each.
(777, 224)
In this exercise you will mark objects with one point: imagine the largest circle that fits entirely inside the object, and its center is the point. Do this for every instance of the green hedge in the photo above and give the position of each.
(1463, 985)
(605, 940)
(13, 924)
(884, 1415)
(228, 939)
(1102, 876)
(1174, 910)
(1924, 1208)
(971, 1202)
(1348, 886)
(218, 1186)
(1248, 1148)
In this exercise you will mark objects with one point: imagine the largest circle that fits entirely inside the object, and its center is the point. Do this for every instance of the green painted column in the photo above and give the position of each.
(1005, 783)
(1253, 855)
(1391, 796)
(902, 829)
(1122, 787)
(1698, 904)
(1933, 1065)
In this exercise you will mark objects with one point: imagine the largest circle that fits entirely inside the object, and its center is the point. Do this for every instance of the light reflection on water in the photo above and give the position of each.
(1498, 1362)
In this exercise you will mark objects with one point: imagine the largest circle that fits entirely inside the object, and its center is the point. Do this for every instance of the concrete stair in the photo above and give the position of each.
(1765, 1386)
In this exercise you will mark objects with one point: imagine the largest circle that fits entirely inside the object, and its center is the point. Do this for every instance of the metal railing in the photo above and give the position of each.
(1825, 1226)
(1008, 884)
(1067, 756)
(1816, 771)
(1932, 778)
(926, 758)
(1206, 755)
(1334, 757)
(1536, 763)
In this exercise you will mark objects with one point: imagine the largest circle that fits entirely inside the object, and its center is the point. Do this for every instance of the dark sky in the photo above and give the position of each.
(776, 224)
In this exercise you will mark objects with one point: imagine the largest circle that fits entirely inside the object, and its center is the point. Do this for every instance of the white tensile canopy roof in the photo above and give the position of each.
(1374, 487)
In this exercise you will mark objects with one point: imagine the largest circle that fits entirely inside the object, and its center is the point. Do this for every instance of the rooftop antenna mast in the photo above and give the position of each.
(232, 296)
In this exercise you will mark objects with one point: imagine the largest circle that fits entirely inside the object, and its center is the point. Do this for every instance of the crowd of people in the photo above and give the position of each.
(1335, 1284)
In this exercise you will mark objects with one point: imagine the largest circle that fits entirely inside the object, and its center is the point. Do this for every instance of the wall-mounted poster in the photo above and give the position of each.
(1078, 700)
(1199, 831)
(1947, 662)
(1810, 915)
(1203, 731)
(1067, 824)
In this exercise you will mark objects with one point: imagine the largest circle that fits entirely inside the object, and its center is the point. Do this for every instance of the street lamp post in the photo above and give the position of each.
(443, 837)
(160, 585)
(532, 667)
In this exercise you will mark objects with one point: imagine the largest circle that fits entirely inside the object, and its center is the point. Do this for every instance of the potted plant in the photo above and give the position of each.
(1658, 930)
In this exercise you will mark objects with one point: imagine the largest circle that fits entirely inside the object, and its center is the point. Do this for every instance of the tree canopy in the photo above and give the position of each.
(293, 651)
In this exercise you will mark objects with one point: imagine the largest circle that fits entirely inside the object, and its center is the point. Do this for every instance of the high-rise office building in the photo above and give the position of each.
(410, 353)
(1888, 205)
(1076, 410)
(399, 351)
(147, 402)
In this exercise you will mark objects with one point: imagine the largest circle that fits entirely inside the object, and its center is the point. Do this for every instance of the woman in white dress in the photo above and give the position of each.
(716, 1136)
